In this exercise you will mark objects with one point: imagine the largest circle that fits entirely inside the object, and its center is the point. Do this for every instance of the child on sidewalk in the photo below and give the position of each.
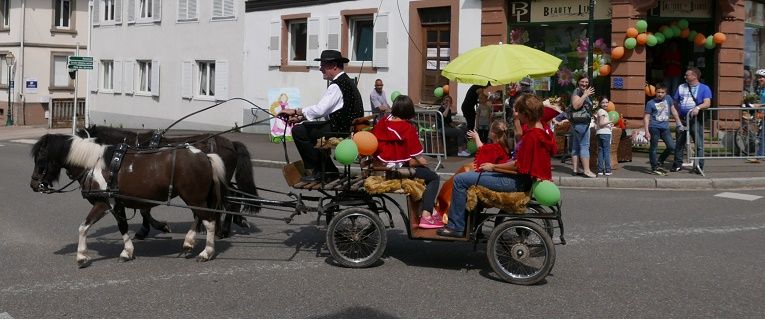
(604, 127)
(483, 116)
(400, 146)
(656, 125)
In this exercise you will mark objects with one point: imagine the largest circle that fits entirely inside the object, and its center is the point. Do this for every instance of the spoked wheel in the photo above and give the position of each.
(521, 252)
(356, 237)
(746, 140)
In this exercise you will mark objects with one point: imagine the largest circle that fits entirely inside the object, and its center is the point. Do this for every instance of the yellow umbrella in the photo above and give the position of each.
(499, 64)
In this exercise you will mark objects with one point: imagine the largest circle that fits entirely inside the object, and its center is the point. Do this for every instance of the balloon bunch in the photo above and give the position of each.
(363, 143)
(439, 92)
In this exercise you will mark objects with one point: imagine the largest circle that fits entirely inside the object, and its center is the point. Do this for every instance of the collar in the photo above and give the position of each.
(338, 75)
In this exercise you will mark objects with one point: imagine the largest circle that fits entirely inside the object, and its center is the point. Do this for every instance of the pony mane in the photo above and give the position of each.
(109, 135)
(85, 153)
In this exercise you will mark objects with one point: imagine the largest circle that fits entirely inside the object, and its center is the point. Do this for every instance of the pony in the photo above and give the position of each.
(158, 175)
(235, 155)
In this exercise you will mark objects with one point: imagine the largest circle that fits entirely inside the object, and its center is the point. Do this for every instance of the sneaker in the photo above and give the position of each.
(657, 172)
(608, 173)
(463, 153)
(662, 169)
(752, 160)
(677, 169)
(437, 217)
(600, 173)
(430, 223)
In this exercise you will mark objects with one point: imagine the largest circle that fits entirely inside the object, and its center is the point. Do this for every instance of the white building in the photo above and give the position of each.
(40, 34)
(161, 60)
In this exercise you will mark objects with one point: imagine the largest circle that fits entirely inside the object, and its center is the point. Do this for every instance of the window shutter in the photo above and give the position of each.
(275, 55)
(129, 76)
(155, 78)
(183, 9)
(131, 11)
(93, 76)
(96, 12)
(186, 80)
(333, 33)
(228, 8)
(221, 80)
(157, 10)
(192, 12)
(217, 8)
(117, 76)
(314, 30)
(380, 53)
(118, 11)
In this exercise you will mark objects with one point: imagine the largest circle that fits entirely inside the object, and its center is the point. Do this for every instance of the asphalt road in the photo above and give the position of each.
(630, 254)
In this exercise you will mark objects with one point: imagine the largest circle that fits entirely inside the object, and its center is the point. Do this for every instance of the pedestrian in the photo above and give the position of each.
(451, 131)
(690, 99)
(378, 99)
(483, 117)
(580, 116)
(603, 133)
(399, 146)
(341, 103)
(672, 66)
(759, 90)
(656, 126)
(468, 105)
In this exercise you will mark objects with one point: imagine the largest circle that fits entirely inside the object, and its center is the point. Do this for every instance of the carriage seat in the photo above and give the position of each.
(514, 202)
(414, 188)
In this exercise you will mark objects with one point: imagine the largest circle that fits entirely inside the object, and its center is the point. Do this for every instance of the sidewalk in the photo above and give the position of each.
(720, 174)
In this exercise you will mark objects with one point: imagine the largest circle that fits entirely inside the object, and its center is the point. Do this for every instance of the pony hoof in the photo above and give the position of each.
(83, 263)
(141, 234)
(165, 228)
(242, 222)
(125, 258)
(223, 235)
(202, 257)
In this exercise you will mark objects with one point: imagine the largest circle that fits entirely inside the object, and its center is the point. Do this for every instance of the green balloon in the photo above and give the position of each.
(676, 30)
(652, 41)
(668, 33)
(682, 24)
(394, 95)
(692, 35)
(438, 92)
(641, 26)
(660, 38)
(471, 146)
(630, 43)
(709, 43)
(346, 152)
(613, 116)
(546, 193)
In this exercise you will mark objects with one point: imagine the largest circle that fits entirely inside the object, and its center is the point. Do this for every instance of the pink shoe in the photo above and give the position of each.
(430, 223)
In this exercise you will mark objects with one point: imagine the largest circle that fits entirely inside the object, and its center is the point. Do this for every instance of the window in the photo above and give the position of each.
(206, 78)
(107, 13)
(62, 14)
(298, 33)
(60, 73)
(5, 11)
(145, 9)
(3, 72)
(360, 38)
(107, 82)
(144, 76)
(223, 9)
(187, 10)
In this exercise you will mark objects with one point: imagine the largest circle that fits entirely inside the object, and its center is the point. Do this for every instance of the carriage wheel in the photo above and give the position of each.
(521, 252)
(356, 237)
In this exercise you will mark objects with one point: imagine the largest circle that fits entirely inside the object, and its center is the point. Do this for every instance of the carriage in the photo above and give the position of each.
(520, 245)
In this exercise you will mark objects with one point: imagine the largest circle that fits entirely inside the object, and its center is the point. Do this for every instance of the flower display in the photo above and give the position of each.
(565, 77)
(519, 36)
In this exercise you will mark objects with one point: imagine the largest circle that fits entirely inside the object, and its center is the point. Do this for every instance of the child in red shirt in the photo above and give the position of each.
(496, 152)
(399, 145)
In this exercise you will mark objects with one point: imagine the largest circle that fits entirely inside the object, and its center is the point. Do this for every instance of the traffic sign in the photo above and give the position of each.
(79, 62)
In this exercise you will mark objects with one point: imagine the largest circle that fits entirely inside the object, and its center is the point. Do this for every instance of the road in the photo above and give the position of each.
(630, 253)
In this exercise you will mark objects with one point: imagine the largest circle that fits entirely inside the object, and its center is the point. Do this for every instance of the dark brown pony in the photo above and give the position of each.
(161, 174)
(235, 157)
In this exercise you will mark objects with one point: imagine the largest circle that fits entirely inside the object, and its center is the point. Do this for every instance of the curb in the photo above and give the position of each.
(613, 183)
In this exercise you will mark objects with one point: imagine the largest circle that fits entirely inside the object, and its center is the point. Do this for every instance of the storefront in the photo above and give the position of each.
(754, 40)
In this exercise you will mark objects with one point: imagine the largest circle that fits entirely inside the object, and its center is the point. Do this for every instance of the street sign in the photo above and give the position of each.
(79, 62)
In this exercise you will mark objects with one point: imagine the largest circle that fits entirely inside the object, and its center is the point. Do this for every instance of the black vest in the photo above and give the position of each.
(353, 107)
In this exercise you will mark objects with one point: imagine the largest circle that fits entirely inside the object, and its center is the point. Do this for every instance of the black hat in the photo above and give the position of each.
(332, 55)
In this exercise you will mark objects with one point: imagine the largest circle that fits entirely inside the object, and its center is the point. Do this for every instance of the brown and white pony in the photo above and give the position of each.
(158, 175)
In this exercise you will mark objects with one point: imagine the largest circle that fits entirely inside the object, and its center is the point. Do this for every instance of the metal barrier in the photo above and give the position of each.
(430, 127)
(62, 111)
(728, 133)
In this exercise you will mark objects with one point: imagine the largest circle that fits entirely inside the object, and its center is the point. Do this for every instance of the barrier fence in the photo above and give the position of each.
(724, 133)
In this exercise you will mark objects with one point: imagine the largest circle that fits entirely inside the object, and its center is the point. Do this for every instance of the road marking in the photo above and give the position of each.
(738, 196)
(25, 141)
(2, 145)
(5, 315)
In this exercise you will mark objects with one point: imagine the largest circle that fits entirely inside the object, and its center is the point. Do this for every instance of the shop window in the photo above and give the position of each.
(754, 36)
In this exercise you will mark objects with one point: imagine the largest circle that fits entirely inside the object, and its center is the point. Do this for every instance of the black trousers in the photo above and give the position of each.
(305, 136)
(431, 187)
(469, 112)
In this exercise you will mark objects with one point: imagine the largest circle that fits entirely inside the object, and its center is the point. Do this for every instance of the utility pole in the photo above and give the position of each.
(9, 60)
(74, 110)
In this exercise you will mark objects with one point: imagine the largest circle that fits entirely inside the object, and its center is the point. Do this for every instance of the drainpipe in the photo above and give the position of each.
(21, 84)
(87, 81)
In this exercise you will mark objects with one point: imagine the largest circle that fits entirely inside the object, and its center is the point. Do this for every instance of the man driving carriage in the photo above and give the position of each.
(340, 104)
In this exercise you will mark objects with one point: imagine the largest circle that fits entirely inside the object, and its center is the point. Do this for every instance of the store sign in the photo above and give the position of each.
(557, 11)
(755, 13)
(685, 8)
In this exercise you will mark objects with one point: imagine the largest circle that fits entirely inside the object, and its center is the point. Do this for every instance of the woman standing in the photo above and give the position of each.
(580, 118)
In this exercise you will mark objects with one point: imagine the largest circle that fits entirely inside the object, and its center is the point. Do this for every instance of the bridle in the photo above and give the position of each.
(44, 186)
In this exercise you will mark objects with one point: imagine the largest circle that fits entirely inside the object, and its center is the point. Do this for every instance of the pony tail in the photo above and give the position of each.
(501, 130)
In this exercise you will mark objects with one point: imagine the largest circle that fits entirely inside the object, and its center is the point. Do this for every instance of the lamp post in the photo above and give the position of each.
(9, 61)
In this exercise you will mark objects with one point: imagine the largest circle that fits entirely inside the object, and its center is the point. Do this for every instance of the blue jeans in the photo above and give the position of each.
(604, 153)
(696, 128)
(665, 136)
(580, 135)
(493, 180)
(761, 147)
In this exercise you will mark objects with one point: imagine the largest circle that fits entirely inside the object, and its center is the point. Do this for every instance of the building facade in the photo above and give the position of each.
(40, 34)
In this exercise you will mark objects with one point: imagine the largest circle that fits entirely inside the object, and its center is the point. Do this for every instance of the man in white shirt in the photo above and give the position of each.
(340, 104)
(377, 98)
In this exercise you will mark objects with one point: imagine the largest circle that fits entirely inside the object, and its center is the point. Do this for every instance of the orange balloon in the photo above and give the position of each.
(617, 53)
(632, 32)
(700, 39)
(366, 142)
(611, 106)
(719, 38)
(684, 33)
(605, 70)
(446, 89)
(642, 39)
(650, 90)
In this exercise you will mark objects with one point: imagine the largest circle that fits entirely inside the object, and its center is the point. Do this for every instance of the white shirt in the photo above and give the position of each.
(331, 101)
